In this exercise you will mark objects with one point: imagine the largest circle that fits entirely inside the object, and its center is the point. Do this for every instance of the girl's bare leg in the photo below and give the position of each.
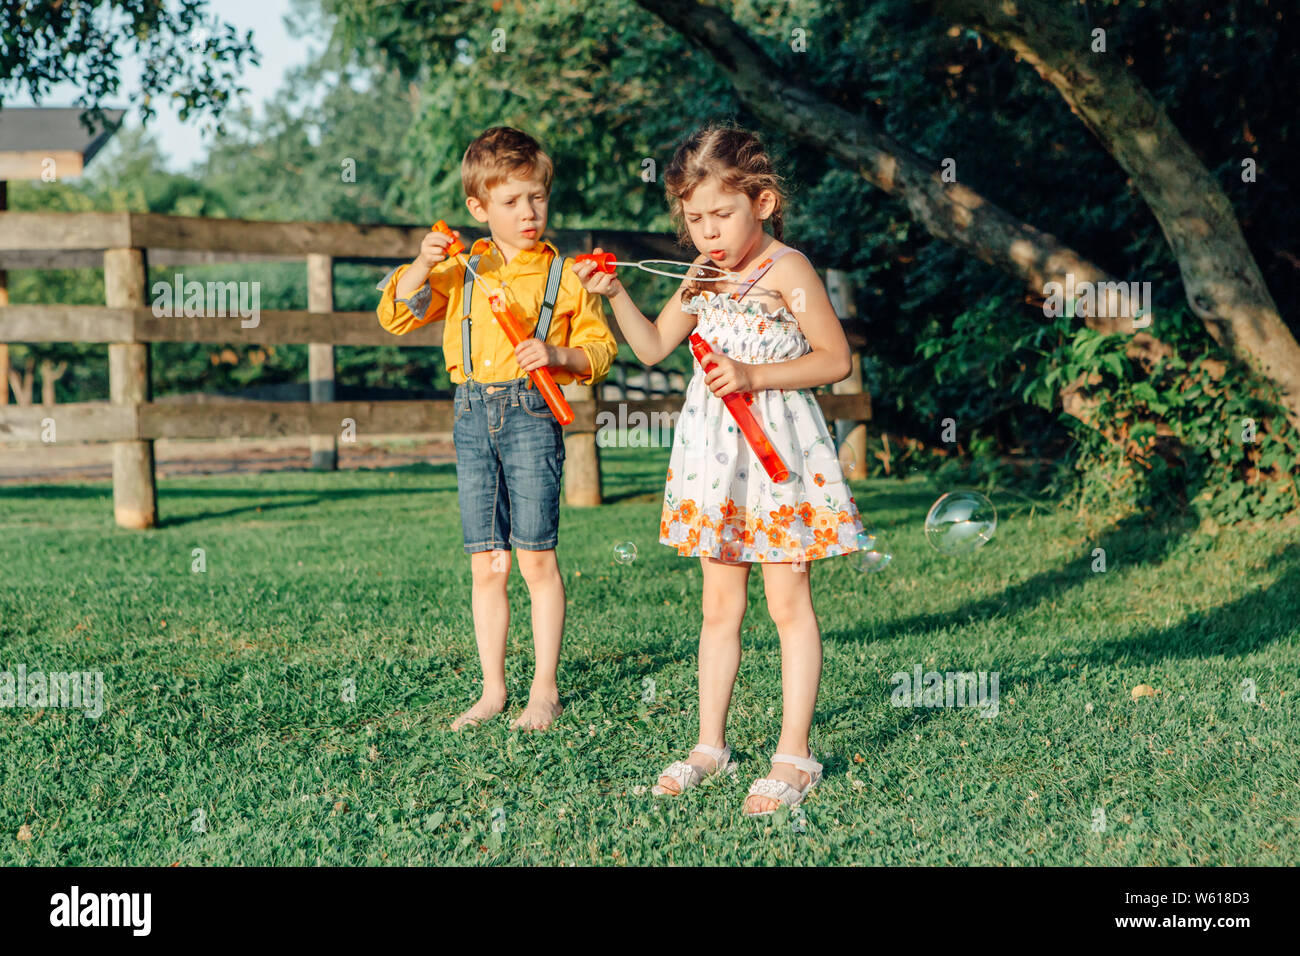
(789, 602)
(724, 600)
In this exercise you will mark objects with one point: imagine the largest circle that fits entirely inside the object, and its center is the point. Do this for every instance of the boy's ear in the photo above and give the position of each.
(476, 209)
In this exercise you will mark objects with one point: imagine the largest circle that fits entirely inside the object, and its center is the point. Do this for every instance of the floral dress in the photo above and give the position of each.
(719, 500)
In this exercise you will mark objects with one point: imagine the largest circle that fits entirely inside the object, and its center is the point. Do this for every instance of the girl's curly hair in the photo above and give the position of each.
(738, 158)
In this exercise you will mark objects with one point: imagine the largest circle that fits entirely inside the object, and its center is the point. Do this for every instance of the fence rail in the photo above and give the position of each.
(124, 244)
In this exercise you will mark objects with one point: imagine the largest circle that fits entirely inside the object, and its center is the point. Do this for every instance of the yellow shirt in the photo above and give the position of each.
(578, 320)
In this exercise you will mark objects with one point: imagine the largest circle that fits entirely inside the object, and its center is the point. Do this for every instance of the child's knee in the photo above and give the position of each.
(724, 611)
(539, 567)
(490, 568)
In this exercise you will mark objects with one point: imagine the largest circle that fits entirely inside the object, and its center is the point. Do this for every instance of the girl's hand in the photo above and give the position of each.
(727, 376)
(534, 354)
(434, 248)
(598, 283)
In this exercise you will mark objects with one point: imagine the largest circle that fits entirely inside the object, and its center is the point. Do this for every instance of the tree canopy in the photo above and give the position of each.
(610, 86)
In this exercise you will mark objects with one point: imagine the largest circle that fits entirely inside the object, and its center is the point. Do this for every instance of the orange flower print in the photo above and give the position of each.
(783, 517)
(729, 509)
(820, 479)
(806, 512)
(670, 474)
(686, 511)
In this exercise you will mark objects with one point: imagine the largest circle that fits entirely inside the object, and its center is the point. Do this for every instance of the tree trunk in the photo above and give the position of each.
(1224, 285)
(22, 385)
(50, 373)
(949, 211)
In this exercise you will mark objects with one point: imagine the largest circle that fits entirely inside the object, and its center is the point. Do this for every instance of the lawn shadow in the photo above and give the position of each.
(85, 490)
(582, 686)
(627, 483)
(316, 498)
(1134, 542)
(1240, 627)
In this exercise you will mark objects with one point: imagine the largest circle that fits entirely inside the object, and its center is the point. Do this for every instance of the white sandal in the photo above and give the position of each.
(688, 775)
(781, 791)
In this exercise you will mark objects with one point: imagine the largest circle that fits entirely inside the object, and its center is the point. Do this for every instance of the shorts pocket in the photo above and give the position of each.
(534, 404)
(461, 406)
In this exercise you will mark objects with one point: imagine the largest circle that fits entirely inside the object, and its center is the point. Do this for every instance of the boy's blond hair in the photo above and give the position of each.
(498, 153)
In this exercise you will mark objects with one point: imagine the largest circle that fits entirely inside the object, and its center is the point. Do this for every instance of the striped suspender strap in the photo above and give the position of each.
(757, 274)
(548, 298)
(464, 322)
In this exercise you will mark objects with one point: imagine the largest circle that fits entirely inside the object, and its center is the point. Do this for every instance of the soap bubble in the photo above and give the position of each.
(874, 560)
(732, 543)
(848, 460)
(872, 556)
(625, 552)
(959, 522)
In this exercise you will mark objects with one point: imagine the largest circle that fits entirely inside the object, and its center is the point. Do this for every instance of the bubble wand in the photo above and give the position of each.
(541, 377)
(738, 404)
(605, 262)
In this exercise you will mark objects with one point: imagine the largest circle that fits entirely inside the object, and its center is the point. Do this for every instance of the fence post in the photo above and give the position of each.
(4, 300)
(320, 358)
(135, 491)
(850, 436)
(581, 456)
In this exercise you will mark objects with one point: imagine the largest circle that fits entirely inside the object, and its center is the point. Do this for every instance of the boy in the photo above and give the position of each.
(509, 447)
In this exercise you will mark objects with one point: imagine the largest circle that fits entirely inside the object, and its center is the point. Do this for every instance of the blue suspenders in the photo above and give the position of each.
(464, 322)
(553, 277)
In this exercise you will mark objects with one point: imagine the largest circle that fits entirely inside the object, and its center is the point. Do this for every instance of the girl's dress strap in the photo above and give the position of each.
(757, 274)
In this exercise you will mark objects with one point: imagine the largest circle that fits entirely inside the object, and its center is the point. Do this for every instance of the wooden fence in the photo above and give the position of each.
(125, 244)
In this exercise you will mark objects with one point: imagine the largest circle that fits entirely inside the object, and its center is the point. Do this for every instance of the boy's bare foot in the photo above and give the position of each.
(541, 711)
(696, 759)
(488, 706)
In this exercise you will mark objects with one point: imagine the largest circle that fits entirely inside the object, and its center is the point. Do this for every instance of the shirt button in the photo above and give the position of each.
(487, 361)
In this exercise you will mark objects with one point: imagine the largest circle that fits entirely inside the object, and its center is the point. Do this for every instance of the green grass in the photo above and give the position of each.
(224, 688)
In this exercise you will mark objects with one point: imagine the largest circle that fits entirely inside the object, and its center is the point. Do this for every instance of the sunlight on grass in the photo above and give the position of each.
(229, 736)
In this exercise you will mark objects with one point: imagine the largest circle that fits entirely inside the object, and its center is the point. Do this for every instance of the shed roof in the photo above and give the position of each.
(31, 134)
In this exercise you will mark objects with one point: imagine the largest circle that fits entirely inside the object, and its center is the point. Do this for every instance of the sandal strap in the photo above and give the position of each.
(777, 790)
(808, 764)
(686, 774)
(720, 755)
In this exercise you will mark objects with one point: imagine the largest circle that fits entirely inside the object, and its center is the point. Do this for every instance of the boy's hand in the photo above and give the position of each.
(534, 354)
(434, 248)
(598, 283)
(726, 376)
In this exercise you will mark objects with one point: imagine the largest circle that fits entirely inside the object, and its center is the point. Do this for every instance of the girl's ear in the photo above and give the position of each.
(765, 204)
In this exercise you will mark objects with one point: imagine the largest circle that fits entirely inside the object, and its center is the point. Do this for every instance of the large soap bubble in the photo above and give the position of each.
(960, 522)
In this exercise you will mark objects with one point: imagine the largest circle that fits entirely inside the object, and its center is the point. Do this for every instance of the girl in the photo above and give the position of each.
(773, 333)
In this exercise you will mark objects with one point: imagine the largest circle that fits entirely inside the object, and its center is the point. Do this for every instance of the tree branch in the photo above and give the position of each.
(1224, 285)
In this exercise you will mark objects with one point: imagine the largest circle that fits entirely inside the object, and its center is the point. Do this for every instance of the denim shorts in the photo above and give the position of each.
(509, 461)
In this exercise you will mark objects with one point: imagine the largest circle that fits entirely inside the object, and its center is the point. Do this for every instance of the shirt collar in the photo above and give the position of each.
(538, 252)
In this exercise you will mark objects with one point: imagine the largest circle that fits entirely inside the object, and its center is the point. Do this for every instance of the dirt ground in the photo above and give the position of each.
(29, 464)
